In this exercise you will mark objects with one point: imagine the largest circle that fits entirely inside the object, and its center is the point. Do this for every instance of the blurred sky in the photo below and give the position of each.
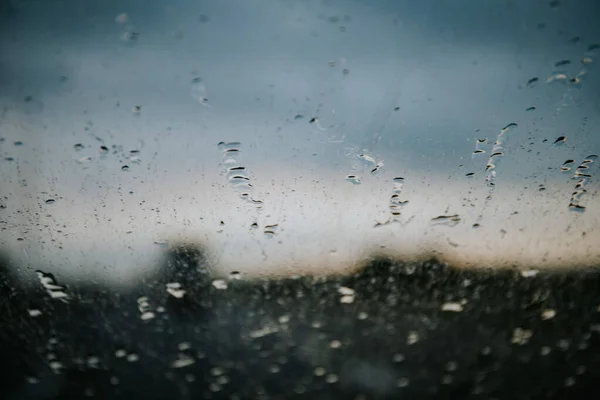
(412, 84)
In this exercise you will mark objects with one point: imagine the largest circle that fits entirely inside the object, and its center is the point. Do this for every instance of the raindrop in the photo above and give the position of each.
(367, 159)
(562, 63)
(532, 108)
(198, 90)
(469, 174)
(78, 147)
(298, 116)
(18, 143)
(593, 47)
(521, 336)
(353, 179)
(403, 382)
(454, 307)
(136, 109)
(121, 18)
(50, 201)
(548, 314)
(219, 284)
(125, 168)
(576, 207)
(511, 125)
(270, 230)
(103, 150)
(450, 220)
(413, 337)
(377, 167)
(235, 275)
(532, 81)
(53, 289)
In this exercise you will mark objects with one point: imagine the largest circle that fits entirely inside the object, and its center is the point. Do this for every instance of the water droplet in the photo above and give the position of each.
(235, 275)
(270, 230)
(354, 179)
(54, 290)
(403, 382)
(529, 273)
(562, 63)
(136, 109)
(50, 201)
(78, 147)
(175, 290)
(85, 160)
(557, 77)
(319, 371)
(548, 314)
(183, 361)
(18, 143)
(576, 208)
(412, 338)
(532, 81)
(450, 220)
(346, 291)
(377, 167)
(331, 378)
(34, 313)
(594, 46)
(121, 18)
(532, 108)
(125, 168)
(521, 336)
(198, 90)
(454, 307)
(469, 174)
(103, 150)
(219, 284)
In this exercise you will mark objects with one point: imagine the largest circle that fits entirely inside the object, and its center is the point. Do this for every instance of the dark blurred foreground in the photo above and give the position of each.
(392, 331)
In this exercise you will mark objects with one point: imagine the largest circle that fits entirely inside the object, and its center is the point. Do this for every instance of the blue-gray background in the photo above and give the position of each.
(71, 72)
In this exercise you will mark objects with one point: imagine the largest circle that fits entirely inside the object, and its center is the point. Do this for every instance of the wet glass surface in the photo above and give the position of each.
(327, 199)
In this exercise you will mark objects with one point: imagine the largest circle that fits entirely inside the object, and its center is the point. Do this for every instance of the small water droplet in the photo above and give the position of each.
(136, 109)
(403, 382)
(18, 143)
(78, 147)
(354, 179)
(235, 275)
(125, 168)
(450, 220)
(548, 314)
(532, 108)
(219, 284)
(413, 337)
(532, 81)
(270, 230)
(562, 63)
(50, 201)
(198, 90)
